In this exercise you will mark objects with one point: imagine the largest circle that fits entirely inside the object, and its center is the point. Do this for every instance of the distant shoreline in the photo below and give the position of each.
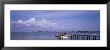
(69, 31)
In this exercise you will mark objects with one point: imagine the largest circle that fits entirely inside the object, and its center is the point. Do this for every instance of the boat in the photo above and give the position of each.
(63, 36)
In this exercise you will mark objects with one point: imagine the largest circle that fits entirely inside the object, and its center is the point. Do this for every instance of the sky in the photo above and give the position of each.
(55, 20)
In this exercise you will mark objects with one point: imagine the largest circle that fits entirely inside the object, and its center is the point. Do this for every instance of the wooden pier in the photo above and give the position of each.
(80, 37)
(84, 37)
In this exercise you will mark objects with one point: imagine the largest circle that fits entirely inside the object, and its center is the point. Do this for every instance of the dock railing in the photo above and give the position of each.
(81, 37)
(84, 37)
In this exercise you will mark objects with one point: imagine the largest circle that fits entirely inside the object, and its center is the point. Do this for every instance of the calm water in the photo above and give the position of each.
(36, 35)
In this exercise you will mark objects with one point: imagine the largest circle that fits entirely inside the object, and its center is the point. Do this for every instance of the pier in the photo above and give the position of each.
(79, 37)
(84, 37)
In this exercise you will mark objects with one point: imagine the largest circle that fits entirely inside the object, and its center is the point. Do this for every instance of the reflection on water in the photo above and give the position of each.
(44, 36)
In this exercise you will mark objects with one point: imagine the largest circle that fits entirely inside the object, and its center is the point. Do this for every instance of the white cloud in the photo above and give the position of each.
(32, 22)
(44, 24)
(19, 21)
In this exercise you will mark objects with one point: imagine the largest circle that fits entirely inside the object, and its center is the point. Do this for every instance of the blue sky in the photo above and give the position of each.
(55, 20)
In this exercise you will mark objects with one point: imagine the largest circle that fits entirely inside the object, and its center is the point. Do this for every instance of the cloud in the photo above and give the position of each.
(33, 23)
(19, 21)
(44, 24)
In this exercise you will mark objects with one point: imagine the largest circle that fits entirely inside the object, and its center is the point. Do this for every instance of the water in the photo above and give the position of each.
(36, 35)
